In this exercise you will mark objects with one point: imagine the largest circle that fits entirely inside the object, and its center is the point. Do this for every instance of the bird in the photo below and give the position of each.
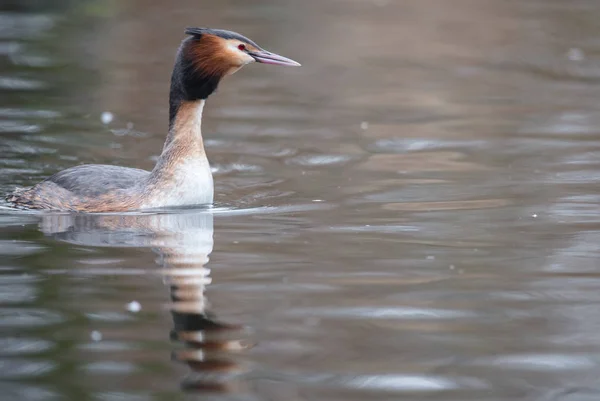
(182, 174)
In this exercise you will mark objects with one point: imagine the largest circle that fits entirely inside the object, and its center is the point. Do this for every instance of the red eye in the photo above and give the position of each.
(242, 46)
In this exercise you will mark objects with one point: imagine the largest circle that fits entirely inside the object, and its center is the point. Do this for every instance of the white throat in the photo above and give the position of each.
(197, 118)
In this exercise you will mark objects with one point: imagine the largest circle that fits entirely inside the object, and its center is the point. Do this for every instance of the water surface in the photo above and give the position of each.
(413, 214)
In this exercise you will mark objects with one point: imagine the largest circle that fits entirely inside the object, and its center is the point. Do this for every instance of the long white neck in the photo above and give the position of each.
(188, 123)
(182, 175)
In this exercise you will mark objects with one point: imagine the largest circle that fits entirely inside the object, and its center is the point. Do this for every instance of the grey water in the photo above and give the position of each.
(413, 214)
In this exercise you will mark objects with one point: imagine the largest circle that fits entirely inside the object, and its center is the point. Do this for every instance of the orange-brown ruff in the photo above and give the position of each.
(214, 60)
(182, 173)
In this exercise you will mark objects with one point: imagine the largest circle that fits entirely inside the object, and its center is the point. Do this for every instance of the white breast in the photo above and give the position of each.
(192, 184)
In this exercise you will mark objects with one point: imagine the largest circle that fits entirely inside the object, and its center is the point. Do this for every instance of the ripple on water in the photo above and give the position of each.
(13, 83)
(120, 396)
(16, 219)
(109, 346)
(258, 112)
(7, 48)
(111, 367)
(320, 160)
(20, 147)
(105, 271)
(559, 124)
(27, 392)
(18, 127)
(19, 248)
(432, 206)
(11, 277)
(401, 145)
(21, 26)
(395, 312)
(426, 161)
(541, 362)
(395, 383)
(24, 113)
(22, 369)
(576, 208)
(108, 316)
(16, 294)
(23, 318)
(412, 383)
(234, 167)
(10, 346)
(31, 60)
(577, 177)
(374, 228)
(243, 148)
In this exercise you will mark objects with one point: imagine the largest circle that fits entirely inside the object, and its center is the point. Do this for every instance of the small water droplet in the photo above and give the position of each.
(134, 307)
(96, 336)
(575, 54)
(534, 215)
(452, 267)
(430, 257)
(364, 125)
(106, 117)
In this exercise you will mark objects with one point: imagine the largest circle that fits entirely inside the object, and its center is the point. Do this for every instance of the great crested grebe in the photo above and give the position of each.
(182, 174)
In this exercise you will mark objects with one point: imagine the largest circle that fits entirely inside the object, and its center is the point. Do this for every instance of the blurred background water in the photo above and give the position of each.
(413, 214)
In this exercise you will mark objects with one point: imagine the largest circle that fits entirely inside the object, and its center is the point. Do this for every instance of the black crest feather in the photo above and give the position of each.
(222, 33)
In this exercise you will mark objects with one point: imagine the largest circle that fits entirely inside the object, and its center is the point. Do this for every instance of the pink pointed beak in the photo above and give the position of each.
(265, 57)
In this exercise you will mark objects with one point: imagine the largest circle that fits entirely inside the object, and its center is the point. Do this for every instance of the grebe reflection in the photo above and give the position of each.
(183, 242)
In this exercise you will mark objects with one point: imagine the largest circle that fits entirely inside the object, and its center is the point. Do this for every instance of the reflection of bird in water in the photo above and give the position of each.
(182, 175)
(183, 242)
